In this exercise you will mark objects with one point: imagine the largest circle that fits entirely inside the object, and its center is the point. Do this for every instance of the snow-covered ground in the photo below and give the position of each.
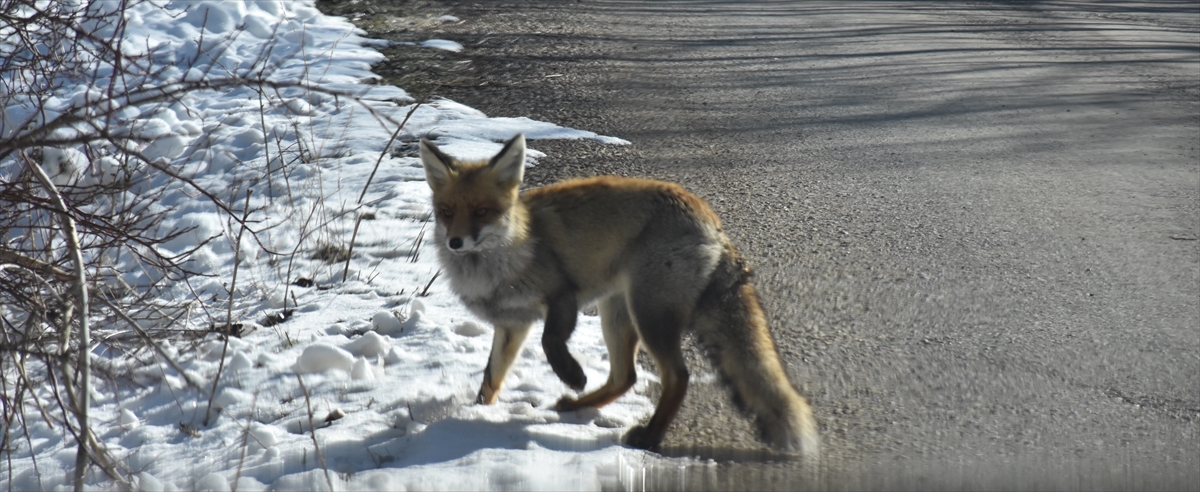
(391, 361)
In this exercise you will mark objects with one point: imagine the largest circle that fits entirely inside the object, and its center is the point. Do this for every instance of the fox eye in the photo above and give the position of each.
(447, 213)
(480, 212)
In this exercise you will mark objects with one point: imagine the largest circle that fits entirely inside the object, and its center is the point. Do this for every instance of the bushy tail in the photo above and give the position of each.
(731, 324)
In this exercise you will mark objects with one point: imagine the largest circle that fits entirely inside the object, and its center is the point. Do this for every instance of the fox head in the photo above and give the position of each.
(477, 204)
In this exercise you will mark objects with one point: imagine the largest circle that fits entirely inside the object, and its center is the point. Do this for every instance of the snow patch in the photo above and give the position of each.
(470, 329)
(442, 44)
(320, 357)
(128, 420)
(370, 344)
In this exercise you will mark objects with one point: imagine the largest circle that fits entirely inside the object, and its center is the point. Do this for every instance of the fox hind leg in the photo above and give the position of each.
(506, 343)
(661, 328)
(622, 341)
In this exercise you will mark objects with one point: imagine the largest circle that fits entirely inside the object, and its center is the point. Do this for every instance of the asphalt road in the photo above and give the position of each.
(974, 223)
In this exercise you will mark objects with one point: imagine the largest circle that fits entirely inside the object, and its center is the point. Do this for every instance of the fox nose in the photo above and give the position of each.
(456, 242)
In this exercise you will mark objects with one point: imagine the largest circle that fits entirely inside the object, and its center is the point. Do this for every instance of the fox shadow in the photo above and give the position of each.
(455, 437)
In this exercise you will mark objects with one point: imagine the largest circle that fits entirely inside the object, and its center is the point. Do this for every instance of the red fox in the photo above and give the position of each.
(649, 254)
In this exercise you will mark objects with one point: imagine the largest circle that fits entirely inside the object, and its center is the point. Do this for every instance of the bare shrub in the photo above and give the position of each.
(98, 161)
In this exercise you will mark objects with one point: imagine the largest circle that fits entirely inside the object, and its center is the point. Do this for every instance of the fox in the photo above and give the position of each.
(649, 255)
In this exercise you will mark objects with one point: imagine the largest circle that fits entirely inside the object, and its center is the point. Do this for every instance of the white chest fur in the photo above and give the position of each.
(494, 283)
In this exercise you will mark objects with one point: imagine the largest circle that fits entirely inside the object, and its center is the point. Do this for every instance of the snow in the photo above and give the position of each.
(379, 370)
(442, 44)
(320, 358)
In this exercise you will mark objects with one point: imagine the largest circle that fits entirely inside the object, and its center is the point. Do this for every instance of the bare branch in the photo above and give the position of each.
(83, 401)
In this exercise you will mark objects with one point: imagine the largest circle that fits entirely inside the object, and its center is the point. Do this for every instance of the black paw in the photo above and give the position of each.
(572, 375)
(567, 369)
(642, 438)
(565, 404)
(577, 380)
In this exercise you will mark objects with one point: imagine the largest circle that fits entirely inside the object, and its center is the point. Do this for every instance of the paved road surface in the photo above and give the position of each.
(974, 224)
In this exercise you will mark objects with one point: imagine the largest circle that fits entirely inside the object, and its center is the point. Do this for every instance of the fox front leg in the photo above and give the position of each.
(505, 344)
(562, 311)
(622, 340)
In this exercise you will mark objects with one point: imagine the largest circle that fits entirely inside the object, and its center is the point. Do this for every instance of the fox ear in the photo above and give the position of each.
(509, 164)
(439, 167)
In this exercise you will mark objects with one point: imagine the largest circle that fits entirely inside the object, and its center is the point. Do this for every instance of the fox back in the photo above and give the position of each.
(590, 233)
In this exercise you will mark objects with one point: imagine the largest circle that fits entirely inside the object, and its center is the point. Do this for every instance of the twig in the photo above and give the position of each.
(262, 121)
(153, 344)
(414, 253)
(304, 232)
(425, 292)
(28, 442)
(24, 378)
(313, 430)
(12, 411)
(383, 152)
(237, 249)
(350, 251)
(34, 265)
(83, 400)
(245, 440)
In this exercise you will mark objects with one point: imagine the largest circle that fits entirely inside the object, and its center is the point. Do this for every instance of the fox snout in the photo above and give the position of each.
(458, 241)
(460, 244)
(461, 231)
